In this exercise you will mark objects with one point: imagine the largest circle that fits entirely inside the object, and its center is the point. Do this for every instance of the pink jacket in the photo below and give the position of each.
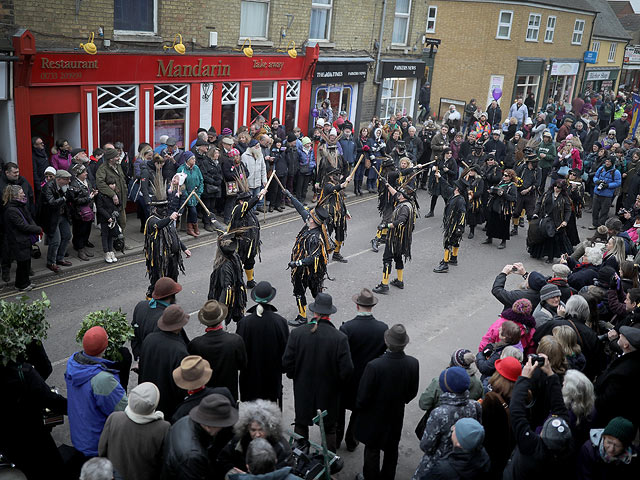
(61, 162)
(492, 336)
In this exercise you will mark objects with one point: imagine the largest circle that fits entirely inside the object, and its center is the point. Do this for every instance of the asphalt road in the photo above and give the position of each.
(442, 312)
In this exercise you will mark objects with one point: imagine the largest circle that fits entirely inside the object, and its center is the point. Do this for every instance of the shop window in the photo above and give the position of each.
(229, 110)
(526, 84)
(397, 97)
(578, 31)
(401, 22)
(533, 27)
(117, 115)
(612, 51)
(595, 47)
(291, 105)
(561, 87)
(171, 103)
(338, 95)
(551, 29)
(432, 13)
(504, 25)
(138, 16)
(254, 19)
(262, 100)
(320, 23)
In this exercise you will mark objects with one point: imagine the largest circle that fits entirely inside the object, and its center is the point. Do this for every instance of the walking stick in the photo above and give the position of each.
(353, 171)
(193, 192)
(264, 212)
(215, 222)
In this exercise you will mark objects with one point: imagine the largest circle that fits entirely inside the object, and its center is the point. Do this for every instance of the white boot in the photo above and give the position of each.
(107, 257)
(114, 259)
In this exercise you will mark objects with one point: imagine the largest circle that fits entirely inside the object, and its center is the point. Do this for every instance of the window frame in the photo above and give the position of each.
(432, 19)
(613, 50)
(139, 32)
(550, 29)
(533, 28)
(409, 85)
(322, 6)
(578, 32)
(500, 24)
(266, 29)
(406, 30)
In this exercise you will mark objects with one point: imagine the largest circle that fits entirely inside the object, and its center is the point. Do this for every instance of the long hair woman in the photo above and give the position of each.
(554, 207)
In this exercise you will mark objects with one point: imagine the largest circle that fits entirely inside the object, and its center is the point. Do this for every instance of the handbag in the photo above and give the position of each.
(422, 425)
(232, 188)
(33, 237)
(86, 213)
(547, 227)
(133, 190)
(563, 171)
(211, 189)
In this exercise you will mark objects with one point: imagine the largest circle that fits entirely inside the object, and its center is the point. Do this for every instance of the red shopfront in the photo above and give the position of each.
(133, 98)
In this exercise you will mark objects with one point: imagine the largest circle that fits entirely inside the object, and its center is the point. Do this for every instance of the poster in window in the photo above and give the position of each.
(496, 81)
(172, 128)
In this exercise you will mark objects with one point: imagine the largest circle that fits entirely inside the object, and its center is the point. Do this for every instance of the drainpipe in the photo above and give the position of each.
(376, 80)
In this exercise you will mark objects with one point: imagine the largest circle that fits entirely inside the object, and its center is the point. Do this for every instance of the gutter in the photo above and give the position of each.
(376, 78)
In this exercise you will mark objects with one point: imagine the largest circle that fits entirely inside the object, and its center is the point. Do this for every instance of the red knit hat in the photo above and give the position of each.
(509, 367)
(95, 341)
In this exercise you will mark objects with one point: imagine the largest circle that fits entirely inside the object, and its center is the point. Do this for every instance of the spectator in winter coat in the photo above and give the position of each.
(534, 281)
(519, 111)
(622, 127)
(193, 181)
(546, 454)
(211, 170)
(454, 404)
(519, 313)
(494, 115)
(40, 162)
(133, 439)
(564, 130)
(61, 159)
(495, 146)
(606, 179)
(469, 115)
(593, 134)
(508, 334)
(306, 166)
(93, 391)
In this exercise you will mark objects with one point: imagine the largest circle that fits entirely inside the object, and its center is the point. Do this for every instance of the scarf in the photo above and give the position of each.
(625, 457)
(153, 303)
(143, 419)
(220, 326)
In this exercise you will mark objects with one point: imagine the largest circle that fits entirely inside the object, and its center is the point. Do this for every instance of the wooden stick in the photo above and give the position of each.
(353, 171)
(264, 210)
(206, 210)
(185, 202)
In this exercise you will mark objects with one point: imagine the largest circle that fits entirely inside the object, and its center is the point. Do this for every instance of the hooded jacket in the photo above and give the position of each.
(93, 393)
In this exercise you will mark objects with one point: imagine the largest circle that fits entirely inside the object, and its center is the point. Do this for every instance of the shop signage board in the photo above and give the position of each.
(564, 68)
(590, 56)
(599, 75)
(402, 69)
(340, 72)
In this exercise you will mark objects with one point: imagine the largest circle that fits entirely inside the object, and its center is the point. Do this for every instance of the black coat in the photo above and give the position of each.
(212, 176)
(507, 297)
(105, 207)
(78, 196)
(265, 339)
(234, 454)
(161, 354)
(144, 322)
(18, 228)
(366, 342)
(387, 385)
(319, 363)
(23, 436)
(193, 400)
(54, 205)
(462, 465)
(616, 393)
(226, 355)
(40, 164)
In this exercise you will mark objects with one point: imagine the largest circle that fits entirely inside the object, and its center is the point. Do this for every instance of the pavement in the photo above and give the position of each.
(442, 312)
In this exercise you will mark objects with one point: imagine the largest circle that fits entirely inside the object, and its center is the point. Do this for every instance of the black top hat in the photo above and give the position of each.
(407, 192)
(462, 186)
(388, 162)
(323, 305)
(319, 214)
(215, 410)
(365, 298)
(396, 336)
(243, 195)
(263, 292)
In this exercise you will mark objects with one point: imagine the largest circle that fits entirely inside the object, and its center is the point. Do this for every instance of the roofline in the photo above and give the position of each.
(533, 3)
(618, 39)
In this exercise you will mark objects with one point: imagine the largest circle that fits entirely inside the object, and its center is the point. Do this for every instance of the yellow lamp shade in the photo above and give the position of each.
(90, 47)
(178, 46)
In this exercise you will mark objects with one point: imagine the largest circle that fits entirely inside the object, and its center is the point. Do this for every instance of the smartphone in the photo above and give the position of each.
(514, 269)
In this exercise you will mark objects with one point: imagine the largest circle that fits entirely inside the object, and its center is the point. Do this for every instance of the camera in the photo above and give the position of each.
(622, 211)
(537, 359)
(488, 350)
(494, 189)
(601, 186)
(514, 269)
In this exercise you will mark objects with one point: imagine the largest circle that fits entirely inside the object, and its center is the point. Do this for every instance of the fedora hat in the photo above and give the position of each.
(165, 287)
(173, 318)
(215, 410)
(263, 292)
(365, 298)
(323, 305)
(212, 313)
(193, 372)
(396, 336)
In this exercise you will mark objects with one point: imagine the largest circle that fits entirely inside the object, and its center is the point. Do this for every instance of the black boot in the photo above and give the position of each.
(488, 241)
(442, 268)
(502, 245)
(374, 244)
(521, 222)
(429, 215)
(514, 231)
(397, 283)
(381, 288)
(453, 260)
(337, 257)
(297, 322)
(471, 232)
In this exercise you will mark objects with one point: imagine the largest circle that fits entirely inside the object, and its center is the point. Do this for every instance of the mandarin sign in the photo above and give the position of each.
(192, 71)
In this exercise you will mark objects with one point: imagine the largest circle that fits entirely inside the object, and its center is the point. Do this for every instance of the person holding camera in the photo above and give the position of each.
(606, 179)
(502, 198)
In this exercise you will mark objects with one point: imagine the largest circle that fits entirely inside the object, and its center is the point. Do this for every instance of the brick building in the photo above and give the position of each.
(534, 47)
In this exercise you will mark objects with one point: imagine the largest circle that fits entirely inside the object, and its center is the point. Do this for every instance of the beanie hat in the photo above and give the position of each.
(95, 341)
(560, 270)
(144, 398)
(509, 367)
(225, 131)
(454, 380)
(555, 434)
(50, 170)
(292, 137)
(462, 358)
(536, 281)
(549, 291)
(604, 277)
(522, 306)
(519, 132)
(470, 433)
(622, 429)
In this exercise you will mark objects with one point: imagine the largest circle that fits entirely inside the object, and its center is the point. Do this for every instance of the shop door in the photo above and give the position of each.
(261, 108)
(42, 126)
(53, 127)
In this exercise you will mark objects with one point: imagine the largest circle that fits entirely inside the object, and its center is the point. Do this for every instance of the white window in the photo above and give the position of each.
(229, 110)
(533, 28)
(320, 23)
(551, 29)
(401, 22)
(595, 47)
(291, 106)
(170, 105)
(526, 84)
(397, 96)
(578, 30)
(504, 25)
(432, 13)
(139, 17)
(254, 19)
(612, 51)
(118, 114)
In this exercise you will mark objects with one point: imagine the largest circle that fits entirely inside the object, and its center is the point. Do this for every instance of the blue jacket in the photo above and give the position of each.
(93, 393)
(612, 177)
(305, 159)
(348, 150)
